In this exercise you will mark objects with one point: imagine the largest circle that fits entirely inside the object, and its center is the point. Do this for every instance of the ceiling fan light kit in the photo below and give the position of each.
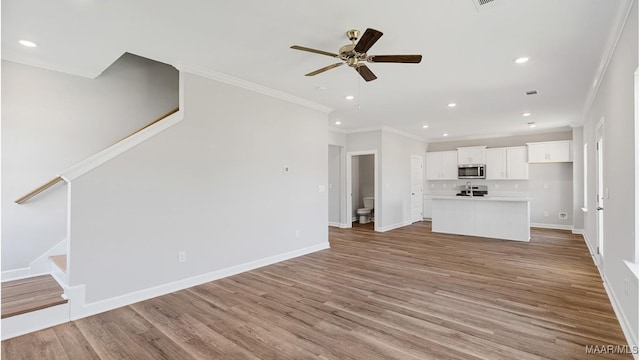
(355, 54)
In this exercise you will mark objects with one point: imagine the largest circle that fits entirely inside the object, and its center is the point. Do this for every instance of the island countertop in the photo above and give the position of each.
(498, 217)
(482, 198)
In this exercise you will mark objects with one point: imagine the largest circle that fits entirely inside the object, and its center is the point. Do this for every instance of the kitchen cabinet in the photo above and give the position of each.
(442, 165)
(471, 155)
(507, 163)
(550, 151)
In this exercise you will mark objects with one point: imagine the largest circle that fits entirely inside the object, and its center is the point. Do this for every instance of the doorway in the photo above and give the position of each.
(417, 173)
(600, 193)
(358, 188)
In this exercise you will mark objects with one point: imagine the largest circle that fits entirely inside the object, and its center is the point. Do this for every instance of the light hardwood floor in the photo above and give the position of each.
(29, 294)
(403, 294)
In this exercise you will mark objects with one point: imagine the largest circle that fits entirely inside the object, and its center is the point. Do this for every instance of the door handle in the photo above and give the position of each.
(599, 208)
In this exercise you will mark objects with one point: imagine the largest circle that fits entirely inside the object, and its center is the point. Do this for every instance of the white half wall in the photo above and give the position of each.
(211, 186)
(52, 120)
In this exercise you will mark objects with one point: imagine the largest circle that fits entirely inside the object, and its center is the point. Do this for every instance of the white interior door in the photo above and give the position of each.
(600, 196)
(416, 188)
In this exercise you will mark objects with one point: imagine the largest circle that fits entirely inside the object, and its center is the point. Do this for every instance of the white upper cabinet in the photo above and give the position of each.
(507, 163)
(471, 155)
(517, 165)
(442, 165)
(549, 152)
(496, 168)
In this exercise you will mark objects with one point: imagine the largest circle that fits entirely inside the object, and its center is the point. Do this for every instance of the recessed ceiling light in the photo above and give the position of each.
(349, 97)
(445, 134)
(452, 105)
(338, 122)
(27, 43)
(425, 126)
(526, 114)
(521, 60)
(531, 124)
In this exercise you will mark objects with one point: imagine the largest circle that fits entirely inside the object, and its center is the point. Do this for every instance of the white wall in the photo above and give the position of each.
(550, 186)
(52, 120)
(615, 103)
(396, 177)
(212, 186)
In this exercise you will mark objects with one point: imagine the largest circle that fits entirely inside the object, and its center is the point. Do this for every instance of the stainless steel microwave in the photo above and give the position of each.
(473, 171)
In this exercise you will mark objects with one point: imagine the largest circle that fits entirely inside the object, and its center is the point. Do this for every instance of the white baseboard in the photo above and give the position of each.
(394, 226)
(354, 218)
(345, 226)
(335, 224)
(16, 274)
(622, 319)
(577, 231)
(80, 309)
(552, 226)
(33, 321)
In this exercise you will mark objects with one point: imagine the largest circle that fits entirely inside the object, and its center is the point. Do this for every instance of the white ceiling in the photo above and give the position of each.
(467, 54)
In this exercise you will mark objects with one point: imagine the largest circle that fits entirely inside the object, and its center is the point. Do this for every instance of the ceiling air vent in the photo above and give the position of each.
(485, 4)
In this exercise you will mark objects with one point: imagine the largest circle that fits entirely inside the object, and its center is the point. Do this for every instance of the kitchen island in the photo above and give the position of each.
(499, 217)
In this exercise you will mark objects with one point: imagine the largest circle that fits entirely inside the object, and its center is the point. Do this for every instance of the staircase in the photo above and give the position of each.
(36, 302)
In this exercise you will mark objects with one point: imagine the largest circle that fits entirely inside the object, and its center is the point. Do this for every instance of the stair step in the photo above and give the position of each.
(30, 294)
(60, 261)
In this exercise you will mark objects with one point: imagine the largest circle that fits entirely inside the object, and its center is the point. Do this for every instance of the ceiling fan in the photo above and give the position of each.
(355, 54)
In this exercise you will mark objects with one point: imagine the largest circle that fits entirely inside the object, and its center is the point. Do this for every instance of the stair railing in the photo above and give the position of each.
(58, 179)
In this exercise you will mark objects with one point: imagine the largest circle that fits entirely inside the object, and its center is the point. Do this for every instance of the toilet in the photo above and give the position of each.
(365, 212)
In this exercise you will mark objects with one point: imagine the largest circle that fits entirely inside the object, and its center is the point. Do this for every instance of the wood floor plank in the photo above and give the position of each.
(403, 294)
(30, 294)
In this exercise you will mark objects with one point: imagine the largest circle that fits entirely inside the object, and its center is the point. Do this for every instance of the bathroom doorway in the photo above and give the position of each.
(362, 185)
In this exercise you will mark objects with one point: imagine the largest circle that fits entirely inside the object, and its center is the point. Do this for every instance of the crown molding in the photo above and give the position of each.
(25, 59)
(232, 80)
(612, 41)
(384, 128)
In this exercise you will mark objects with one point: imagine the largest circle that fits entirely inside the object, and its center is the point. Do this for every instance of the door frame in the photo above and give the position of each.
(421, 195)
(348, 194)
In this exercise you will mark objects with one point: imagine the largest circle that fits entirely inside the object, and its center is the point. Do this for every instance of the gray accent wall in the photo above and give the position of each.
(335, 184)
(615, 104)
(212, 186)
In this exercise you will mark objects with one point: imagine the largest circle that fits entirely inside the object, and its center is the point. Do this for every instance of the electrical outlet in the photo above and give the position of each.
(562, 216)
(495, 186)
(546, 213)
(515, 186)
(285, 169)
(182, 256)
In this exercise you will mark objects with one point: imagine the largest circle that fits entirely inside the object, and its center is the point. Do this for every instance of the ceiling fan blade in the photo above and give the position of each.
(366, 73)
(324, 69)
(395, 58)
(302, 48)
(367, 40)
